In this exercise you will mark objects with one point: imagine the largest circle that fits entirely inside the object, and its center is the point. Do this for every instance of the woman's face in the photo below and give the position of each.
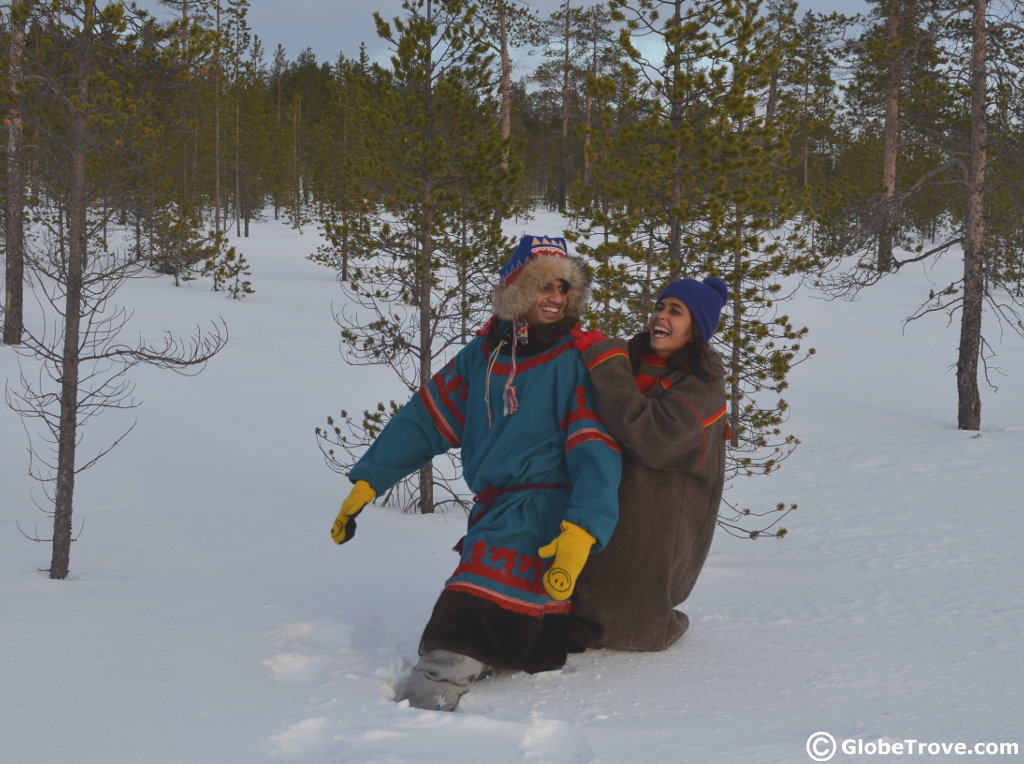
(671, 326)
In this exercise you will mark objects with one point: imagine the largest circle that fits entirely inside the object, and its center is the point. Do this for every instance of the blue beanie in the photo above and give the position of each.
(705, 299)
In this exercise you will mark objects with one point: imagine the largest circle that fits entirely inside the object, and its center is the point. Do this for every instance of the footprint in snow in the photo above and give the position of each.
(297, 669)
(319, 634)
(303, 740)
(556, 742)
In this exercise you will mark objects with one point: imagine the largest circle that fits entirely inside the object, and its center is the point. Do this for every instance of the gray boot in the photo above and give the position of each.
(440, 679)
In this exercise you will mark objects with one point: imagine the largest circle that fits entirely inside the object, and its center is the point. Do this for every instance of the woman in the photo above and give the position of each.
(662, 395)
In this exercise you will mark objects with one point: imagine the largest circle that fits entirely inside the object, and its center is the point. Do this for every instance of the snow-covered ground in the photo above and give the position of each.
(208, 618)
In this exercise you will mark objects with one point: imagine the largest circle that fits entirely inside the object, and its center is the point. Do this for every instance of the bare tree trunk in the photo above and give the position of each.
(14, 233)
(805, 148)
(735, 391)
(506, 84)
(183, 41)
(426, 245)
(675, 244)
(891, 149)
(563, 158)
(238, 172)
(196, 136)
(67, 438)
(463, 286)
(216, 128)
(280, 123)
(969, 399)
(426, 345)
(296, 178)
(588, 109)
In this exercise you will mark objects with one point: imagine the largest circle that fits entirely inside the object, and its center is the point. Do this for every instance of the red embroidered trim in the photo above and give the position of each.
(581, 411)
(607, 356)
(455, 384)
(653, 359)
(514, 569)
(714, 417)
(439, 421)
(511, 603)
(645, 381)
(529, 363)
(583, 436)
(482, 331)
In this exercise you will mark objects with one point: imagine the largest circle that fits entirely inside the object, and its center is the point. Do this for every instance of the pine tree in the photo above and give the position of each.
(93, 71)
(276, 168)
(435, 196)
(256, 137)
(804, 93)
(753, 254)
(896, 97)
(337, 179)
(577, 43)
(953, 188)
(14, 167)
(980, 277)
(689, 179)
(238, 42)
(187, 190)
(305, 91)
(507, 25)
(228, 268)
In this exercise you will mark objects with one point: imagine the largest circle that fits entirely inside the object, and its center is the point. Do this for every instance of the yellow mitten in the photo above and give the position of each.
(344, 527)
(570, 549)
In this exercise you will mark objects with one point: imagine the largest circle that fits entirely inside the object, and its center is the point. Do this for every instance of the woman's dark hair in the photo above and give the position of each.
(692, 357)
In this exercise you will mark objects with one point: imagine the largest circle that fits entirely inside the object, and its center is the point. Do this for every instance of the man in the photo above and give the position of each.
(518, 402)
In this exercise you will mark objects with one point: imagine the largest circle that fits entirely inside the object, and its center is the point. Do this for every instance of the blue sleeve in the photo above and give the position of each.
(429, 424)
(594, 461)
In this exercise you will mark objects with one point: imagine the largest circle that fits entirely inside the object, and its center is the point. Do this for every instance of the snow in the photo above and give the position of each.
(209, 618)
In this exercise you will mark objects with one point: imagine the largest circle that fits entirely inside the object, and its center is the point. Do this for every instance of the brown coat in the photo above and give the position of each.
(673, 441)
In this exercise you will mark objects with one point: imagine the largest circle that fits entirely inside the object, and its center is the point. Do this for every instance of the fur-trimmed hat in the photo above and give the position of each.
(540, 260)
(705, 299)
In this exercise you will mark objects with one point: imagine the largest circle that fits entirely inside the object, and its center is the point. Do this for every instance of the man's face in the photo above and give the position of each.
(550, 303)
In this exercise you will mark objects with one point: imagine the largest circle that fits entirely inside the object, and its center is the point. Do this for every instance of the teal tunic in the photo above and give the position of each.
(551, 460)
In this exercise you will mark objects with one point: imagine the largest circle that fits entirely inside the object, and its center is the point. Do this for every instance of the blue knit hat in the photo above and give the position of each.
(531, 247)
(705, 299)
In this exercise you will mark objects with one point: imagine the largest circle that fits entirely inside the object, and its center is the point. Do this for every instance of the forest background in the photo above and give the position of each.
(747, 140)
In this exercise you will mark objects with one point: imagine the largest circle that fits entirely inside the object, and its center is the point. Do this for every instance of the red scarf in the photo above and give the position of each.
(653, 368)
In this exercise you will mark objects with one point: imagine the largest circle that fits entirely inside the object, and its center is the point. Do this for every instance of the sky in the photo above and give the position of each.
(331, 27)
